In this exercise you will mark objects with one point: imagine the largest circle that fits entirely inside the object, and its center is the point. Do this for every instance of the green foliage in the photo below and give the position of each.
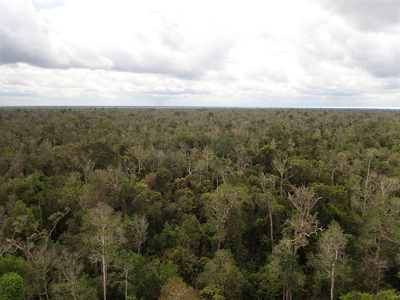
(10, 263)
(224, 144)
(189, 179)
(100, 153)
(382, 295)
(264, 157)
(221, 278)
(11, 287)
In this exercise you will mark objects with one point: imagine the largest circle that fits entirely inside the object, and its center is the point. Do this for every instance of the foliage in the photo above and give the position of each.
(238, 203)
(11, 287)
(178, 290)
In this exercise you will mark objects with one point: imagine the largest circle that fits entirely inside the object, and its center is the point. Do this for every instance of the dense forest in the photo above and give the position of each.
(199, 203)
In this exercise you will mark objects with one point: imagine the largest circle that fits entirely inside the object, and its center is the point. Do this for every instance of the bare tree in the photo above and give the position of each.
(331, 261)
(208, 154)
(140, 230)
(285, 166)
(219, 206)
(36, 247)
(70, 281)
(242, 158)
(104, 232)
(303, 223)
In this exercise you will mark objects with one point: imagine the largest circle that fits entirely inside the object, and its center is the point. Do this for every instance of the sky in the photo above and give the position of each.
(286, 53)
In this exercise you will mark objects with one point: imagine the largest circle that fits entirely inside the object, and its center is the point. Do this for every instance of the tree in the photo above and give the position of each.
(331, 261)
(11, 287)
(379, 209)
(176, 289)
(284, 268)
(285, 166)
(265, 156)
(35, 244)
(242, 158)
(125, 263)
(140, 230)
(267, 184)
(220, 205)
(302, 224)
(71, 283)
(221, 278)
(104, 233)
(224, 144)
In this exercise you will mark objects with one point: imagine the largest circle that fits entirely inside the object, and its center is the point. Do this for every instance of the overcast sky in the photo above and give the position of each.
(281, 53)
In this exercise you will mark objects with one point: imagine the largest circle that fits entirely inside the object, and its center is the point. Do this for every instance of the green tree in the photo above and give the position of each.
(125, 263)
(221, 278)
(284, 269)
(268, 199)
(11, 287)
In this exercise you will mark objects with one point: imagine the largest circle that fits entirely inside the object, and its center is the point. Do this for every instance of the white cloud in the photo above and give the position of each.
(170, 52)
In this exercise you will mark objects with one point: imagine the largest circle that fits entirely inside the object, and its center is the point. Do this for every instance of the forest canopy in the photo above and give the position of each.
(199, 203)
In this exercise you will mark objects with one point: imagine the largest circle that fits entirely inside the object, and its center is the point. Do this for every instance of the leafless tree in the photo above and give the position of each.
(104, 232)
(285, 166)
(219, 206)
(331, 261)
(140, 230)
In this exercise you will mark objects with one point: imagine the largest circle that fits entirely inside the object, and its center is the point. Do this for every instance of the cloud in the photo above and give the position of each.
(330, 39)
(26, 37)
(46, 41)
(22, 37)
(295, 52)
(367, 15)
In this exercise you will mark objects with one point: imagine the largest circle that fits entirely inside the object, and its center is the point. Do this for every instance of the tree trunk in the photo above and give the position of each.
(378, 251)
(126, 285)
(104, 277)
(332, 280)
(271, 225)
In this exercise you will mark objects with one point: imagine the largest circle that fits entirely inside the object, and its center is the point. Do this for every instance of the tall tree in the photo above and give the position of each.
(331, 261)
(140, 230)
(71, 282)
(301, 225)
(219, 206)
(104, 233)
(285, 166)
(267, 183)
(221, 278)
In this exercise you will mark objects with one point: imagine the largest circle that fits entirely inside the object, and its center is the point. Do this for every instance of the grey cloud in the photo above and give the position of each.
(190, 63)
(368, 15)
(392, 84)
(380, 59)
(277, 75)
(376, 53)
(22, 39)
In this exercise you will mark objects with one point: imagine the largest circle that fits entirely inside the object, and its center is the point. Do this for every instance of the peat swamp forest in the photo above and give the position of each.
(199, 203)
